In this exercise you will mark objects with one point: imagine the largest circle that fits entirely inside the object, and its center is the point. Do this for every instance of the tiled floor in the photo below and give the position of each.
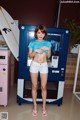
(69, 110)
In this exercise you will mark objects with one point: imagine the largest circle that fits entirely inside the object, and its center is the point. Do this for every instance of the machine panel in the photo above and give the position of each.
(57, 63)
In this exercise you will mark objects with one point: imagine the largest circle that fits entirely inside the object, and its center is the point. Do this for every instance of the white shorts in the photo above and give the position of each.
(38, 67)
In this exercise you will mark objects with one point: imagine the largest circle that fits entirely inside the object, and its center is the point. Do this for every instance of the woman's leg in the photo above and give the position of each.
(44, 89)
(34, 77)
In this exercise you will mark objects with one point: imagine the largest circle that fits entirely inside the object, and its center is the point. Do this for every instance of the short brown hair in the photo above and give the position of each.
(42, 28)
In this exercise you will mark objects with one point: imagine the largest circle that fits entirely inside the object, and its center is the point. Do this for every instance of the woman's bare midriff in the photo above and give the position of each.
(40, 58)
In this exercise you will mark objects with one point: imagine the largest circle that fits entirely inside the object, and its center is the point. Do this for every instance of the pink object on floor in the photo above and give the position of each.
(4, 76)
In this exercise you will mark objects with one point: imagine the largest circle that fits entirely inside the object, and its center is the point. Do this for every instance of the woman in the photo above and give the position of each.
(40, 51)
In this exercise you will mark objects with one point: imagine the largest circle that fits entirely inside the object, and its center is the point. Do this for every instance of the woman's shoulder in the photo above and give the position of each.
(32, 42)
(47, 42)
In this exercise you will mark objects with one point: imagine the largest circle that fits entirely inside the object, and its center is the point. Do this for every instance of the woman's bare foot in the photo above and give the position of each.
(44, 112)
(34, 111)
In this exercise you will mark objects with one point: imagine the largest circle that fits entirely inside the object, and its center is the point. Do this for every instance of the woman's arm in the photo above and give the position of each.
(31, 53)
(49, 53)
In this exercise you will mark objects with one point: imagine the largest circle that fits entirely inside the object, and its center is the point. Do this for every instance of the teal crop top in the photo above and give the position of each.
(35, 44)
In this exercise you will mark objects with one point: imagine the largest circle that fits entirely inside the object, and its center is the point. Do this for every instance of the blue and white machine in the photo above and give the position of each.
(57, 65)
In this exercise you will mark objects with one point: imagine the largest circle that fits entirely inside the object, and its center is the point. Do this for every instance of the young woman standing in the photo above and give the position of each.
(40, 51)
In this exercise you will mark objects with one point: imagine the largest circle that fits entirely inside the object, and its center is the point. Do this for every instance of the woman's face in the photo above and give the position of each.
(40, 35)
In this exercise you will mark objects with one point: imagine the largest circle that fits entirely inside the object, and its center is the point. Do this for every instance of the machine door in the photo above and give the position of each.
(59, 45)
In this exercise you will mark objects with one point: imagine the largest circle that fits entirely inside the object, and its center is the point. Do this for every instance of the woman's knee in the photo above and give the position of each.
(43, 87)
(34, 87)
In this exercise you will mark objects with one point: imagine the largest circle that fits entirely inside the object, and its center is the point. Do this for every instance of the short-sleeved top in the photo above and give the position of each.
(36, 44)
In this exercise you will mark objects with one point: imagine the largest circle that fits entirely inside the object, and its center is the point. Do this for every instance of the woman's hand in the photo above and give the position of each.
(40, 51)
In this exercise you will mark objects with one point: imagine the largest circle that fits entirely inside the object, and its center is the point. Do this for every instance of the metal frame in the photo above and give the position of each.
(64, 2)
(77, 94)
